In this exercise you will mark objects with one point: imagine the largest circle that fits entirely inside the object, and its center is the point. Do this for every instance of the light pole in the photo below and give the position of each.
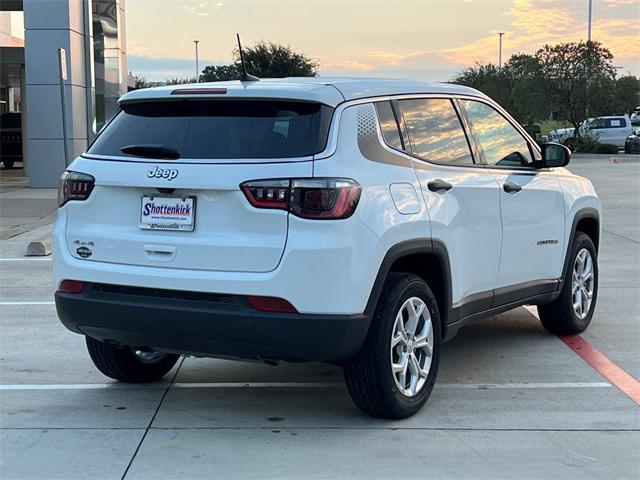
(500, 51)
(197, 66)
(589, 28)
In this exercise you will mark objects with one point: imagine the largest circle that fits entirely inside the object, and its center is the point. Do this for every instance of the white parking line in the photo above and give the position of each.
(259, 385)
(27, 303)
(488, 386)
(26, 259)
(472, 386)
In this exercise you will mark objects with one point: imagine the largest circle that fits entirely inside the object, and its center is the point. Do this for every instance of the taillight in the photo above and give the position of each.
(313, 198)
(267, 193)
(74, 186)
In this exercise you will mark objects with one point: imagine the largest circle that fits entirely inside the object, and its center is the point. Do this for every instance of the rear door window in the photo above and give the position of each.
(219, 129)
(435, 131)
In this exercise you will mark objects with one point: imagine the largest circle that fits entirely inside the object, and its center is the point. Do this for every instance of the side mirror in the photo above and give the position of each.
(555, 155)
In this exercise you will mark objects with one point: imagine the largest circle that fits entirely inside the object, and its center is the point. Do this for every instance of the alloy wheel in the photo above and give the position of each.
(583, 283)
(411, 346)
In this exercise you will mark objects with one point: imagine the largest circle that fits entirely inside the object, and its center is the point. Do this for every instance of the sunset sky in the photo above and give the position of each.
(426, 40)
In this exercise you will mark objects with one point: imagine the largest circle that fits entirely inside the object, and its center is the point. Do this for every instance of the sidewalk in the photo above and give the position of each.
(24, 209)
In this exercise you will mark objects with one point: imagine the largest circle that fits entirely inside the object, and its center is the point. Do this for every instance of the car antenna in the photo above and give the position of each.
(244, 76)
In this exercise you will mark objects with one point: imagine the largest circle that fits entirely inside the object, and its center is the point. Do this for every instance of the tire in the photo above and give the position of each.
(369, 377)
(8, 163)
(560, 317)
(570, 143)
(125, 365)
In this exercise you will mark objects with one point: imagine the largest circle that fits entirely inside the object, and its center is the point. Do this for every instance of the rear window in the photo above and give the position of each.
(219, 129)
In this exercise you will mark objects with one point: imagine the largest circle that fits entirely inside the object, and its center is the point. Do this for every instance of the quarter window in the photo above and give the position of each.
(435, 131)
(388, 125)
(502, 144)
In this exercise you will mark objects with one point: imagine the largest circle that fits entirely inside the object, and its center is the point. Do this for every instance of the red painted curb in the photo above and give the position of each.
(604, 366)
(599, 362)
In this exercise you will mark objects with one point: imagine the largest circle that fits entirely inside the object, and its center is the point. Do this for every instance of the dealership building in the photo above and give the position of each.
(92, 35)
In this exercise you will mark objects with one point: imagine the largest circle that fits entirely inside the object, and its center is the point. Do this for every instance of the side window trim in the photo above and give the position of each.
(471, 133)
(405, 135)
(532, 151)
(477, 156)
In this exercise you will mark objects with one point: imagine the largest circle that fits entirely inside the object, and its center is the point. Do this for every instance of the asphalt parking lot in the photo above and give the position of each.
(511, 401)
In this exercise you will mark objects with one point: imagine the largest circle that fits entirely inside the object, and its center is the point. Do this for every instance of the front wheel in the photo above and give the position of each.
(572, 311)
(129, 364)
(393, 375)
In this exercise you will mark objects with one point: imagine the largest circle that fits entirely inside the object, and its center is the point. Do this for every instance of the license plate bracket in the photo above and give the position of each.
(168, 212)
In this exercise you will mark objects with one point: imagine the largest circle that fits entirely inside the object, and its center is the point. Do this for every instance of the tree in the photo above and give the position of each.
(180, 80)
(264, 60)
(489, 79)
(528, 96)
(627, 94)
(579, 78)
(517, 86)
(140, 82)
(219, 73)
(574, 80)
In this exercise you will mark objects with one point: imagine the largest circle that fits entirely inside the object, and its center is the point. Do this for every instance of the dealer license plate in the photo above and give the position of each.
(168, 213)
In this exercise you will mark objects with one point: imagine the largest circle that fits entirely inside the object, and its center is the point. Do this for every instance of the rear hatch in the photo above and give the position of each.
(167, 176)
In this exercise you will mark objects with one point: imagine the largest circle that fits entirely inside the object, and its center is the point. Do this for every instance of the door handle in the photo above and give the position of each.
(511, 187)
(438, 184)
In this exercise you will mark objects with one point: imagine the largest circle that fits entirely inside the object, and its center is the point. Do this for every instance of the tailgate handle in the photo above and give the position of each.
(160, 253)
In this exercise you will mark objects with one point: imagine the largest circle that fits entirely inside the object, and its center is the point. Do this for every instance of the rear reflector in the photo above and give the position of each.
(271, 304)
(71, 286)
(200, 91)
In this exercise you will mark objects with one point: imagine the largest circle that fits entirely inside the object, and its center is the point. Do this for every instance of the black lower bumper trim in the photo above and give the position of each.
(206, 324)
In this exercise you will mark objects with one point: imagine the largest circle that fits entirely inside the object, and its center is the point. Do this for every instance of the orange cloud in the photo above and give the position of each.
(354, 65)
(533, 24)
(617, 3)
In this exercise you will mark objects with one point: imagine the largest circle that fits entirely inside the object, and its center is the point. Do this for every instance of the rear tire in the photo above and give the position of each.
(8, 163)
(570, 143)
(374, 387)
(125, 365)
(562, 317)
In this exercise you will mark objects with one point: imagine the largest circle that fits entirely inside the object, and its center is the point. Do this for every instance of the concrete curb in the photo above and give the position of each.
(41, 248)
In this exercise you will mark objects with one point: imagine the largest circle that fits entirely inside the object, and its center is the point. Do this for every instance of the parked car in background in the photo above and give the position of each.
(632, 145)
(613, 129)
(10, 138)
(635, 116)
(559, 135)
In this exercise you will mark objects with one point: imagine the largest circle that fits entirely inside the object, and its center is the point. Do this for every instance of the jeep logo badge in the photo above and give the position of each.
(168, 173)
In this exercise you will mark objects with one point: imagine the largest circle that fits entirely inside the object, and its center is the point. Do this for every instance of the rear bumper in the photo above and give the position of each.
(205, 324)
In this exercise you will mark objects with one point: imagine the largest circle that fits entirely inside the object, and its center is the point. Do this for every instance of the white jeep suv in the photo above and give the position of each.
(352, 221)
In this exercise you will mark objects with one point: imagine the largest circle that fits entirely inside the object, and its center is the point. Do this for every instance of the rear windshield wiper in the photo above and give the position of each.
(151, 151)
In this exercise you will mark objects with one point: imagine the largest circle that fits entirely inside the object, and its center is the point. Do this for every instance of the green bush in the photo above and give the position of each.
(590, 145)
(605, 148)
(581, 144)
